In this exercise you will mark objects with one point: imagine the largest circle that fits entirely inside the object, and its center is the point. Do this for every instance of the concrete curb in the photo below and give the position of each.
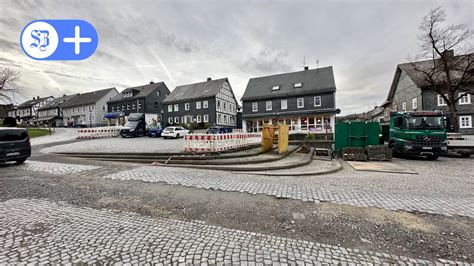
(164, 156)
(335, 168)
(216, 160)
(306, 160)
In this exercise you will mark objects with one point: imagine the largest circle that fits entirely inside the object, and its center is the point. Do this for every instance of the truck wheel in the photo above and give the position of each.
(432, 157)
(177, 136)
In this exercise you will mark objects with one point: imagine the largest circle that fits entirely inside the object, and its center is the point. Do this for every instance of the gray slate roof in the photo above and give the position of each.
(418, 77)
(313, 81)
(88, 98)
(143, 91)
(59, 102)
(195, 91)
(30, 103)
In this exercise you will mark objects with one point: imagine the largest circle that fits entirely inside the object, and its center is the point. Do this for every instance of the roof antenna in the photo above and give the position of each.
(317, 63)
(304, 62)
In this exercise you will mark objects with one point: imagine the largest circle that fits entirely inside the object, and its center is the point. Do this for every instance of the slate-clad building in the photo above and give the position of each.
(52, 113)
(146, 99)
(304, 100)
(209, 103)
(88, 109)
(411, 92)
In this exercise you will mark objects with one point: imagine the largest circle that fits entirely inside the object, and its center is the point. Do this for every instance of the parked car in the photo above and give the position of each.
(174, 132)
(155, 131)
(135, 126)
(14, 145)
(219, 130)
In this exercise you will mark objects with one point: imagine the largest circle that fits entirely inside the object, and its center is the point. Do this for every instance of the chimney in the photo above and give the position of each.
(306, 68)
(151, 82)
(34, 98)
(209, 79)
(449, 53)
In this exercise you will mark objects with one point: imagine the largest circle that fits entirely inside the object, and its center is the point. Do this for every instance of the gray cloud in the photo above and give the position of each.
(186, 41)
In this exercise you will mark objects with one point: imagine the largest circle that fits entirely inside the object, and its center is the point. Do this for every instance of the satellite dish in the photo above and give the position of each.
(338, 111)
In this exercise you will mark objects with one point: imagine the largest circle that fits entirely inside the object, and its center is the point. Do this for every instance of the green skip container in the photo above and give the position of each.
(356, 134)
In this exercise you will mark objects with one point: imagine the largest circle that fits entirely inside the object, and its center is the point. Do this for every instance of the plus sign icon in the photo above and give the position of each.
(59, 39)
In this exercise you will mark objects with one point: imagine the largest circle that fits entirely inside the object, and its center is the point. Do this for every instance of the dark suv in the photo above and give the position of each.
(14, 145)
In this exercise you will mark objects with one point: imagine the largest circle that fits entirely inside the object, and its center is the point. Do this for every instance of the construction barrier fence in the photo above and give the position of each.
(220, 142)
(98, 132)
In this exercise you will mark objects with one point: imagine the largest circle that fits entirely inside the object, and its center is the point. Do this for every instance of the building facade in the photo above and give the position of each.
(304, 100)
(88, 109)
(52, 113)
(410, 92)
(209, 103)
(27, 112)
(146, 99)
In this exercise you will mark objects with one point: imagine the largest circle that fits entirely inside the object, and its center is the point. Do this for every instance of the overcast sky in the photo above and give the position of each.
(182, 42)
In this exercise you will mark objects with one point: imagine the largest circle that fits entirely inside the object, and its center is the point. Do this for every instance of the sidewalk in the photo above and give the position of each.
(58, 135)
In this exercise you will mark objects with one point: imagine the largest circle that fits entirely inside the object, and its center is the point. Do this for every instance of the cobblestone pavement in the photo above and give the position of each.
(59, 135)
(143, 144)
(440, 188)
(42, 232)
(55, 168)
(437, 189)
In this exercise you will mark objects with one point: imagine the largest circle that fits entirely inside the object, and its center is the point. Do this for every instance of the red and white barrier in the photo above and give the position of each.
(220, 142)
(98, 132)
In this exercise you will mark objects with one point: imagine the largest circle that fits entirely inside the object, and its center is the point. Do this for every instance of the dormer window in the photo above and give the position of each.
(275, 88)
(127, 94)
(298, 85)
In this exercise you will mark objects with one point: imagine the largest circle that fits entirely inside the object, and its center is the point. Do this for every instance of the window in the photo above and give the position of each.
(158, 93)
(298, 85)
(317, 101)
(198, 119)
(404, 106)
(128, 106)
(118, 107)
(284, 104)
(170, 108)
(206, 118)
(139, 106)
(123, 107)
(414, 103)
(268, 105)
(254, 107)
(104, 107)
(275, 88)
(441, 101)
(465, 99)
(133, 106)
(198, 105)
(186, 106)
(300, 102)
(170, 120)
(218, 104)
(465, 121)
(176, 108)
(83, 108)
(225, 105)
(176, 120)
(205, 104)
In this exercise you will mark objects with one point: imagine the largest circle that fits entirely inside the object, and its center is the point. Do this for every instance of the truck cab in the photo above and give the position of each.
(135, 126)
(421, 133)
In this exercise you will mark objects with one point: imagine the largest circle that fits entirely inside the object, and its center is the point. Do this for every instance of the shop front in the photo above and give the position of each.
(317, 124)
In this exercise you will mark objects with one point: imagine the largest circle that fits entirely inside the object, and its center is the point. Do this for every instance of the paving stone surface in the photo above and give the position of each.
(437, 189)
(39, 231)
(55, 168)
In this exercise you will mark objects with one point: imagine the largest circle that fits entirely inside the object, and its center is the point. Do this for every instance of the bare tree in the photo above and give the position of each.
(8, 79)
(448, 75)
